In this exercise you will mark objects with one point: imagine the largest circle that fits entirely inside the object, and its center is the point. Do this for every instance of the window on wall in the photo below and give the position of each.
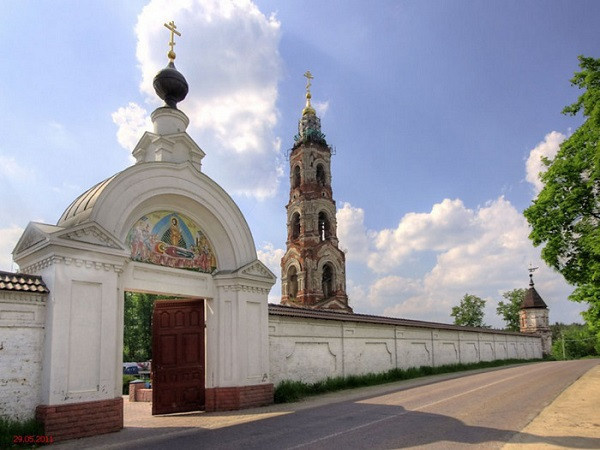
(295, 226)
(327, 281)
(324, 227)
(320, 174)
(292, 282)
(296, 177)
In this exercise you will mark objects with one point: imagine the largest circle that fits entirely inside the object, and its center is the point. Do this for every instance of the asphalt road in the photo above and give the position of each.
(481, 410)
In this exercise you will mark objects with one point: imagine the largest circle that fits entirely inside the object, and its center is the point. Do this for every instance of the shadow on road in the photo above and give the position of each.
(345, 425)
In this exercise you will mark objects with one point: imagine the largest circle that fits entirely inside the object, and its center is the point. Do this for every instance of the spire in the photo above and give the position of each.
(309, 125)
(170, 85)
(532, 298)
(531, 270)
(308, 108)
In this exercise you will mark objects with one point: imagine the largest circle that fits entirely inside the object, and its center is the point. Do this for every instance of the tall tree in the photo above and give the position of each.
(509, 311)
(565, 217)
(470, 311)
(137, 333)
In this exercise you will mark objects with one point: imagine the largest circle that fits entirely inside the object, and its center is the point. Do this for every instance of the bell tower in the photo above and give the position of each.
(313, 269)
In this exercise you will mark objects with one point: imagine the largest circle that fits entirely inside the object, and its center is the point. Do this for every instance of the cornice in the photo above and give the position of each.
(245, 288)
(68, 261)
(23, 297)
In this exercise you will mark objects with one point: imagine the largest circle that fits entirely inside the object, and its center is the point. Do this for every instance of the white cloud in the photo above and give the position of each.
(271, 257)
(391, 288)
(8, 240)
(496, 244)
(483, 251)
(448, 224)
(228, 53)
(132, 121)
(321, 107)
(534, 165)
(352, 233)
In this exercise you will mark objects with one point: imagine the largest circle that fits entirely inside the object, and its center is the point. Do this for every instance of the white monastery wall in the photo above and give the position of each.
(22, 317)
(311, 349)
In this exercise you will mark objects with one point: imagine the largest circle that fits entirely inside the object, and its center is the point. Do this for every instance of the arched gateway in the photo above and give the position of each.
(160, 226)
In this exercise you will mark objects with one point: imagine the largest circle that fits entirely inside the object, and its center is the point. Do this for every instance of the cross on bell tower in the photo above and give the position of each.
(313, 269)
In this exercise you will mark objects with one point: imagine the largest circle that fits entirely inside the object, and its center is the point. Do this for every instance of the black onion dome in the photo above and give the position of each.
(170, 85)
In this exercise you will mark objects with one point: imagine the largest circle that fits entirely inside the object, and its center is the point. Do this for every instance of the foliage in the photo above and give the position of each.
(126, 380)
(470, 311)
(509, 311)
(291, 391)
(565, 217)
(137, 335)
(11, 428)
(579, 341)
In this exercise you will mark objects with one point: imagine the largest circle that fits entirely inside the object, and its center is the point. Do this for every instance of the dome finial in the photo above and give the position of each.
(308, 109)
(169, 84)
(173, 29)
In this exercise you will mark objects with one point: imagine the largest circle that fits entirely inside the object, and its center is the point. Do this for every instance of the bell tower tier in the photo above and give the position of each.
(313, 269)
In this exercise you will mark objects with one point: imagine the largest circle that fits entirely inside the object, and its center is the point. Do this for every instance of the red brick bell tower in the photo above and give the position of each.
(313, 269)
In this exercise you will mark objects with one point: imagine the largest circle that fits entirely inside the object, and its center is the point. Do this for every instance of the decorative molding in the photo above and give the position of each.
(245, 288)
(257, 269)
(31, 237)
(91, 234)
(22, 297)
(67, 261)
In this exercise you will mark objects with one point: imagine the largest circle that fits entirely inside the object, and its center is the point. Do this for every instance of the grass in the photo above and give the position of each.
(14, 429)
(291, 391)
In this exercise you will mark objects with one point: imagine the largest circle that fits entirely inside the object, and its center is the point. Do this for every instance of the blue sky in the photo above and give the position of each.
(439, 112)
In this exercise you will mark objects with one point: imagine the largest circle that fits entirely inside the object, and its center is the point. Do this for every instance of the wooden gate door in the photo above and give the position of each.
(177, 356)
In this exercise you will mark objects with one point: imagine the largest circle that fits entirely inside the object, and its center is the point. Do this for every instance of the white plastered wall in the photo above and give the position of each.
(309, 350)
(22, 317)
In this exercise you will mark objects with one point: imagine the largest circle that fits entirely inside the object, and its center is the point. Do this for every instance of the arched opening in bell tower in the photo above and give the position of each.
(324, 227)
(292, 282)
(321, 175)
(296, 177)
(327, 281)
(295, 225)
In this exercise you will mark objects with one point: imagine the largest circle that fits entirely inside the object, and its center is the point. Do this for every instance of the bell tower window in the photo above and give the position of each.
(295, 226)
(292, 282)
(327, 281)
(324, 227)
(296, 177)
(321, 175)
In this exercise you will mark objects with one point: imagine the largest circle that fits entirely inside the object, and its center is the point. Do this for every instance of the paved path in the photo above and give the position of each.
(574, 413)
(482, 409)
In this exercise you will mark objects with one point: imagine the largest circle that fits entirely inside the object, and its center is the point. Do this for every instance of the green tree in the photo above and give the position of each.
(566, 214)
(137, 333)
(509, 311)
(575, 340)
(470, 311)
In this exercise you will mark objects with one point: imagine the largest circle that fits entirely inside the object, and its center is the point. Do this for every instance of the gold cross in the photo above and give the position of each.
(309, 77)
(173, 29)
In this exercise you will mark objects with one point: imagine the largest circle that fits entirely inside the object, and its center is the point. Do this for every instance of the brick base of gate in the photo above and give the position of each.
(239, 397)
(76, 420)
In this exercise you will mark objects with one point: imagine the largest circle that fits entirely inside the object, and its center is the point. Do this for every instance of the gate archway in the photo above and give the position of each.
(87, 262)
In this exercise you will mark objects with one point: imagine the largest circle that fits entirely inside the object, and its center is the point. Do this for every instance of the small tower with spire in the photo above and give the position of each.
(313, 269)
(533, 315)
